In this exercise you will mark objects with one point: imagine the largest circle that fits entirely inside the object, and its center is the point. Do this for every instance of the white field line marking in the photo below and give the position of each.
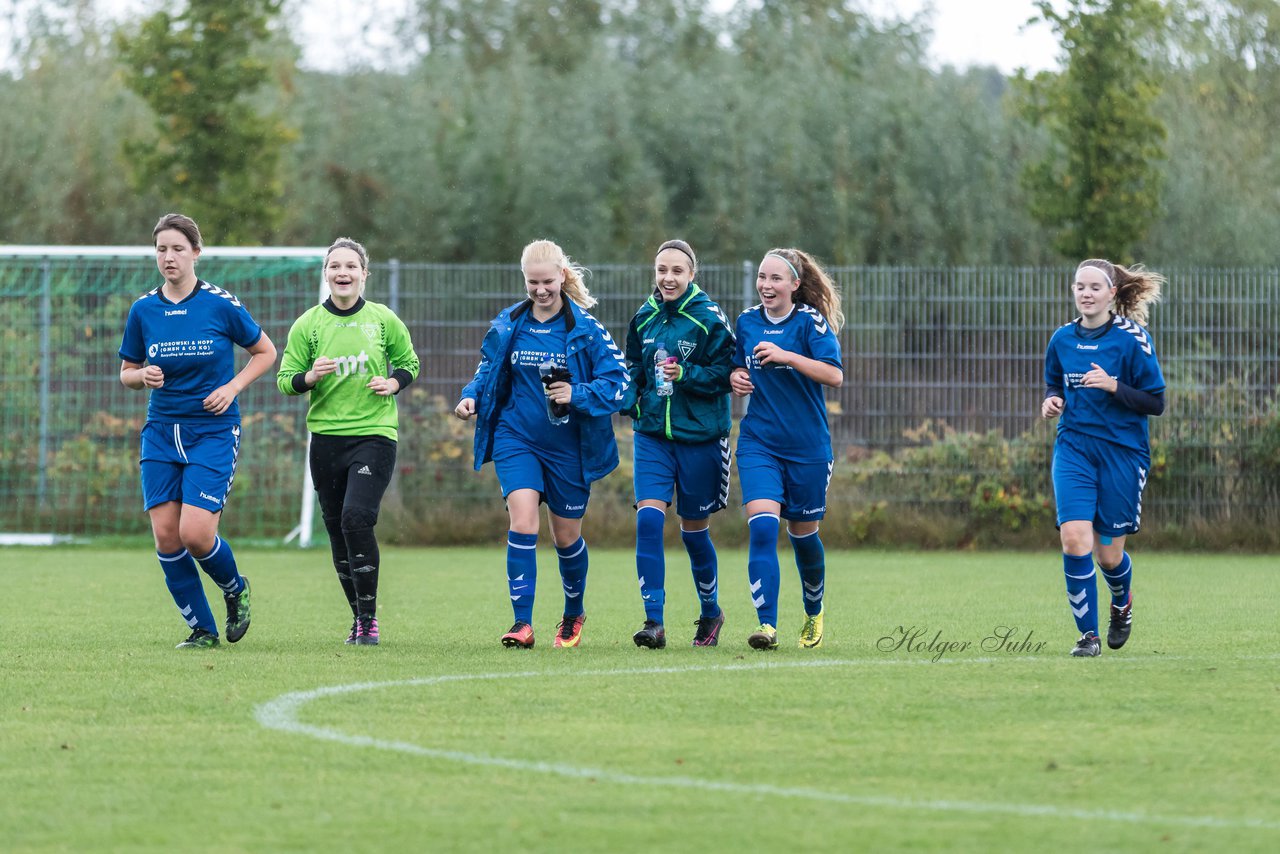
(282, 714)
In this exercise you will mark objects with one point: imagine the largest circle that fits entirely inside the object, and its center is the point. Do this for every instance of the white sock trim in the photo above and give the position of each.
(582, 544)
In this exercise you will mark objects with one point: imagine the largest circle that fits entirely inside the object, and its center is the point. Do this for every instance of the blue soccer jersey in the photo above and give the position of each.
(1127, 353)
(193, 342)
(524, 417)
(787, 414)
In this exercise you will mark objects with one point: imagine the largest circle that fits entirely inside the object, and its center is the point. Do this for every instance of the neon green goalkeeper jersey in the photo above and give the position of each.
(366, 341)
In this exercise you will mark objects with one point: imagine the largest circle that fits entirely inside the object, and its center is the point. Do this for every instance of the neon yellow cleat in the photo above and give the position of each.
(765, 637)
(811, 633)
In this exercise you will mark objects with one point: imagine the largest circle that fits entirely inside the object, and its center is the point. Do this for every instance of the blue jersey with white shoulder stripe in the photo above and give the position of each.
(193, 341)
(1128, 354)
(787, 414)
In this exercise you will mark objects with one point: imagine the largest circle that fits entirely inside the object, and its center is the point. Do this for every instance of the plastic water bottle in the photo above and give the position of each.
(662, 385)
(550, 372)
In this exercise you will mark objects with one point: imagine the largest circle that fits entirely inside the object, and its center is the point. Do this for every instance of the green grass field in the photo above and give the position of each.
(442, 740)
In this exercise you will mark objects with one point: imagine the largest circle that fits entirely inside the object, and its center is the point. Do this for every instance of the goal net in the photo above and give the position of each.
(69, 429)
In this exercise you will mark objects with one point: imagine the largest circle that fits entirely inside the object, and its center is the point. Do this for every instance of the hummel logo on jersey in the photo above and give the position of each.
(364, 470)
(175, 311)
(1086, 346)
(771, 331)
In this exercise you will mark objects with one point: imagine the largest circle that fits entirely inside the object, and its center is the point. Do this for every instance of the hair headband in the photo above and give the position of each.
(1104, 273)
(664, 247)
(794, 271)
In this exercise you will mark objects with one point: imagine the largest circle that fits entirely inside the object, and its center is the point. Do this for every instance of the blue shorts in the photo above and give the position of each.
(191, 463)
(698, 474)
(1100, 482)
(558, 481)
(801, 488)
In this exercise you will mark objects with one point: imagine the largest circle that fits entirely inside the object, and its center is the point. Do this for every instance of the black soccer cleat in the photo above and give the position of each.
(1121, 624)
(708, 633)
(652, 636)
(1088, 646)
(237, 612)
(199, 639)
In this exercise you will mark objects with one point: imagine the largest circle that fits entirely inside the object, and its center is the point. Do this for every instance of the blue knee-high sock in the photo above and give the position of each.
(183, 580)
(811, 560)
(702, 560)
(1118, 580)
(573, 575)
(522, 573)
(762, 566)
(1082, 591)
(651, 561)
(220, 564)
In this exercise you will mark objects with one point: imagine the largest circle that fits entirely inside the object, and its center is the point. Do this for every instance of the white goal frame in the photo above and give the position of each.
(306, 515)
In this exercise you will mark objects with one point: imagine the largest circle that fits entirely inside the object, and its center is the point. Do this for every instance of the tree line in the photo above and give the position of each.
(611, 125)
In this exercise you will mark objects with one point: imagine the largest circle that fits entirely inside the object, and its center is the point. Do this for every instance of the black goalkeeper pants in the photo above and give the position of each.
(351, 474)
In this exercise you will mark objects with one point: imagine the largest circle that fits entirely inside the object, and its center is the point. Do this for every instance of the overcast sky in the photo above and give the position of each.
(984, 32)
(965, 32)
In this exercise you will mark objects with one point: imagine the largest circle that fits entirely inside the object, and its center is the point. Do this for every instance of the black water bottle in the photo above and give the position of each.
(553, 373)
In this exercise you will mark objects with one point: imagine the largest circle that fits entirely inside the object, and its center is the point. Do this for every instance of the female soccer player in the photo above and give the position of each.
(353, 357)
(681, 434)
(786, 352)
(549, 380)
(184, 332)
(1102, 376)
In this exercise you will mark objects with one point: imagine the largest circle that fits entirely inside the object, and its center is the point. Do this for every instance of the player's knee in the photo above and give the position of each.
(565, 535)
(1109, 558)
(199, 543)
(167, 538)
(1077, 545)
(802, 529)
(1077, 538)
(358, 518)
(196, 538)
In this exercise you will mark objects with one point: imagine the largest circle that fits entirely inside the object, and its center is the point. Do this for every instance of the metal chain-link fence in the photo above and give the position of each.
(936, 428)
